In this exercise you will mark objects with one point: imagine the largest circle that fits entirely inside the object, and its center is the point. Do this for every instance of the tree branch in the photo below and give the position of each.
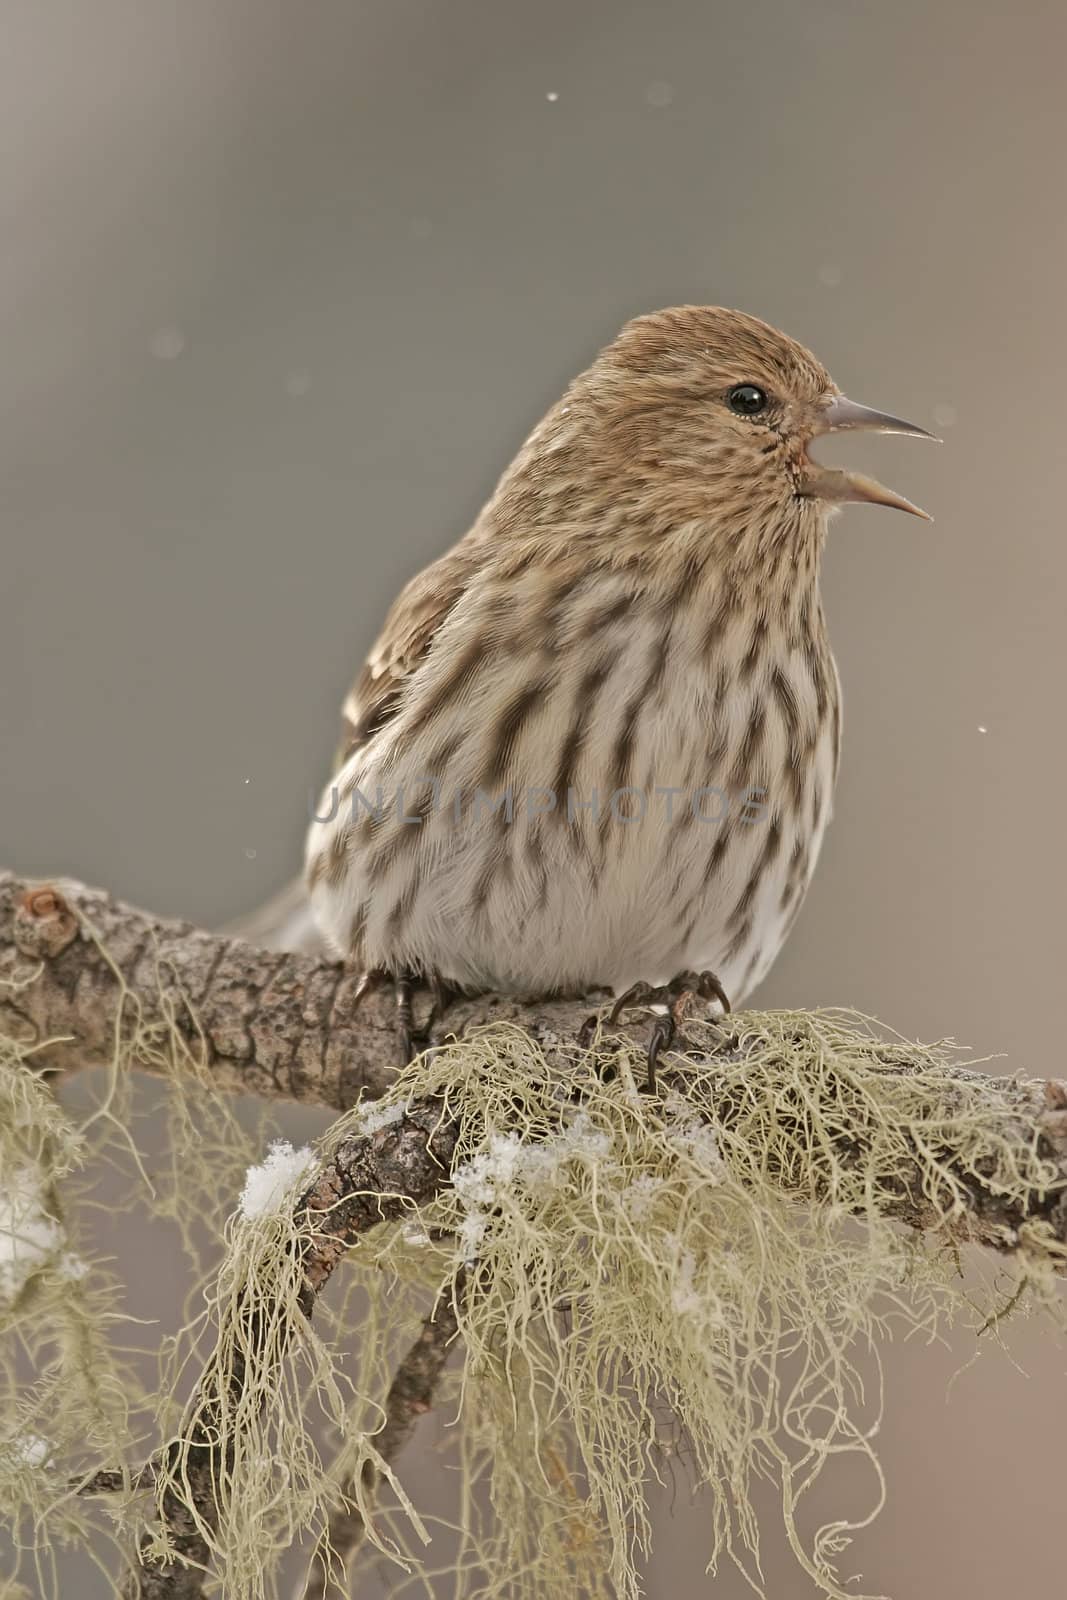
(277, 1026)
(288, 1026)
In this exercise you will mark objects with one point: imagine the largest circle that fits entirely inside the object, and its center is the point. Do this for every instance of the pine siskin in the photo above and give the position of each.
(597, 740)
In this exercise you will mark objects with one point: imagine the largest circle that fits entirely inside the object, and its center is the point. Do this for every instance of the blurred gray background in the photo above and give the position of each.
(283, 286)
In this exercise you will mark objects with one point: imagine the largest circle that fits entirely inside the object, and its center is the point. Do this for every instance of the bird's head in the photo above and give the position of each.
(702, 396)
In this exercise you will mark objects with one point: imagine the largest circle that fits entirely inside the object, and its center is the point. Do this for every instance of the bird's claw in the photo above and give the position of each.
(679, 997)
(587, 1031)
(412, 1038)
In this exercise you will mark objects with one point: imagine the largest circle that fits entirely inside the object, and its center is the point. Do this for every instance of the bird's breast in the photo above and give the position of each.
(638, 791)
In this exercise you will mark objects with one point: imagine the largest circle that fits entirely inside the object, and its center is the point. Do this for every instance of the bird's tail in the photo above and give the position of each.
(282, 923)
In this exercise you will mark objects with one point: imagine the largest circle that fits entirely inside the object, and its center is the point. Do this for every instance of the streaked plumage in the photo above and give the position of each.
(636, 609)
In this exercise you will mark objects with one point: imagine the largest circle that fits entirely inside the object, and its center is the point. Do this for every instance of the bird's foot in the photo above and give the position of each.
(412, 1038)
(680, 998)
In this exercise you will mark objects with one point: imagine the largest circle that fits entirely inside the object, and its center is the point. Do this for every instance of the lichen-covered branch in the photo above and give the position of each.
(542, 1176)
(366, 1181)
(526, 1146)
(287, 1026)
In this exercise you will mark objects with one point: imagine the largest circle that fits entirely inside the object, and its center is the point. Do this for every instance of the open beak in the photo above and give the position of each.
(831, 483)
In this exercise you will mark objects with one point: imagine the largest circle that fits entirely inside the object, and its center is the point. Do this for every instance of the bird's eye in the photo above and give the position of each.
(747, 400)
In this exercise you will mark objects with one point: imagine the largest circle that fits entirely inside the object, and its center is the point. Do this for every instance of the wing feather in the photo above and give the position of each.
(403, 645)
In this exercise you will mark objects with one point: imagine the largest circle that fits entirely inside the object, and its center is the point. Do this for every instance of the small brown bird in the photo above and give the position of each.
(596, 742)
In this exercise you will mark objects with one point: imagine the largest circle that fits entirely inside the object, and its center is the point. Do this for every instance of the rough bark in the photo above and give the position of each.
(265, 1024)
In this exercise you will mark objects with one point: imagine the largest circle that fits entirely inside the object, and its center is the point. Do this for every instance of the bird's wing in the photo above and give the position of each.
(403, 644)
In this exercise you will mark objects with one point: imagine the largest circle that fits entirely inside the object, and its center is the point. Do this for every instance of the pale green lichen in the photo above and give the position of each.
(271, 1486)
(633, 1268)
(60, 1397)
(71, 1363)
(702, 1251)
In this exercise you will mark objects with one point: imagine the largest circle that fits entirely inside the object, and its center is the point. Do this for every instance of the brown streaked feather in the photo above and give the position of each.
(407, 634)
